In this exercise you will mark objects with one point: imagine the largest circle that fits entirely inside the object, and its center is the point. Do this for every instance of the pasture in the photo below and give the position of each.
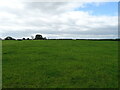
(60, 64)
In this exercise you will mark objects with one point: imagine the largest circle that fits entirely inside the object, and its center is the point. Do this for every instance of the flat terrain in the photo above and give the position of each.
(60, 64)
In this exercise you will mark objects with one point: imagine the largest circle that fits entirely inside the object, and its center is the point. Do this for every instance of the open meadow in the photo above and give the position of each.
(60, 64)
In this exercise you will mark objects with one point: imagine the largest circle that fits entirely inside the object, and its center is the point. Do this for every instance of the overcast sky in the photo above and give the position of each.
(59, 19)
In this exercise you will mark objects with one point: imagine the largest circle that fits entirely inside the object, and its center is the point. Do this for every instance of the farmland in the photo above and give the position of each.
(60, 64)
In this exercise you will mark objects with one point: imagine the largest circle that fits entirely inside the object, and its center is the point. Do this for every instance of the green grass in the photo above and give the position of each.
(60, 64)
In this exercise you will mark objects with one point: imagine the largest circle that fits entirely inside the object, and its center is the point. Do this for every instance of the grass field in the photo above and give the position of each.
(60, 64)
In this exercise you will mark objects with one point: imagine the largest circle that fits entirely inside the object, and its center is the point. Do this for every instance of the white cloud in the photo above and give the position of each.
(54, 20)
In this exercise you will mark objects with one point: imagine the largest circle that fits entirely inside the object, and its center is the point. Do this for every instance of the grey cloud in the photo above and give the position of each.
(55, 20)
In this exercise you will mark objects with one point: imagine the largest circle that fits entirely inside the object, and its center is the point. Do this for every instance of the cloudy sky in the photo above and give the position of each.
(59, 19)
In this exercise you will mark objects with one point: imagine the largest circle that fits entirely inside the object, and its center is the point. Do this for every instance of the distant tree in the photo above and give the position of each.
(38, 37)
(9, 38)
(28, 39)
(45, 38)
(23, 38)
(32, 37)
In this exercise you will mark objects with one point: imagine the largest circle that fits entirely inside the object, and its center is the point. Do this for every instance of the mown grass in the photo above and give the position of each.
(60, 64)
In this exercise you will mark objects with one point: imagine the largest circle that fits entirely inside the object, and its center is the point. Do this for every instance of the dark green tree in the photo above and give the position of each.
(38, 37)
(9, 38)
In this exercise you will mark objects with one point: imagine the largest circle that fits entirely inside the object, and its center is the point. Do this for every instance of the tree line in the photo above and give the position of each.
(37, 37)
(40, 37)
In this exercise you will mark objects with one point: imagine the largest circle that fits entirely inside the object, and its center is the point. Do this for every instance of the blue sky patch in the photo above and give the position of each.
(106, 8)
